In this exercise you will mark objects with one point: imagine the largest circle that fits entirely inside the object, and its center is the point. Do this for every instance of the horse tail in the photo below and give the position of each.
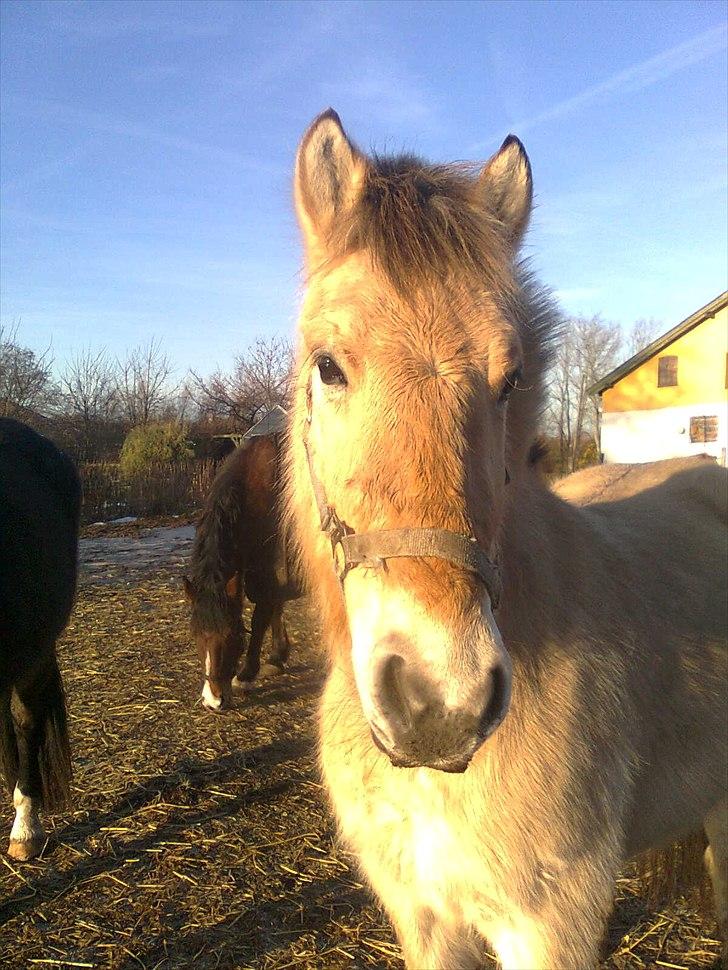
(678, 870)
(8, 747)
(54, 757)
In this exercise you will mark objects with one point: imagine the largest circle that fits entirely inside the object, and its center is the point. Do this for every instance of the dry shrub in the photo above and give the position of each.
(104, 492)
(149, 445)
(159, 489)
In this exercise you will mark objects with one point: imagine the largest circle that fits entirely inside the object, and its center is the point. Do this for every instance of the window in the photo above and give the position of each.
(667, 371)
(704, 428)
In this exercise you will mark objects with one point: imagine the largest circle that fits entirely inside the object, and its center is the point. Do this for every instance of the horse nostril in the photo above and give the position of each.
(391, 692)
(404, 695)
(497, 705)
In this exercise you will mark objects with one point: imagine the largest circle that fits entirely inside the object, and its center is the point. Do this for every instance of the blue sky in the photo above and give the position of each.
(147, 151)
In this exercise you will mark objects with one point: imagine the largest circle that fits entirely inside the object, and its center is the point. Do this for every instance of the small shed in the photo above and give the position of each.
(272, 422)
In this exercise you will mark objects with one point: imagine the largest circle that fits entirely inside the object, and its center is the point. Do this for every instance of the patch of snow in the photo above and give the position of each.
(114, 559)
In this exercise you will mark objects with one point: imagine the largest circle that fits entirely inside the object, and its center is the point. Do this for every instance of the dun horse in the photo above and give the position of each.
(40, 501)
(525, 688)
(238, 551)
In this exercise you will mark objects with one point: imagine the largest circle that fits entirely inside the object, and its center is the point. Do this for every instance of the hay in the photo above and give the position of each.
(202, 840)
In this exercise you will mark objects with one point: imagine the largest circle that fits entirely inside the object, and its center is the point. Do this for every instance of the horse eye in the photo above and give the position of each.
(509, 384)
(330, 371)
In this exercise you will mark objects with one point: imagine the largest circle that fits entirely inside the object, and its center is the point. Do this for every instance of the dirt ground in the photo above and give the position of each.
(204, 841)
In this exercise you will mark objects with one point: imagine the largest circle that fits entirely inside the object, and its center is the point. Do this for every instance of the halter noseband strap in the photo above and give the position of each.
(374, 548)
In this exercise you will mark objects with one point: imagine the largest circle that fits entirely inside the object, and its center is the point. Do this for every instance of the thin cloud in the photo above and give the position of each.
(387, 93)
(577, 294)
(50, 169)
(573, 214)
(94, 22)
(97, 121)
(293, 53)
(635, 78)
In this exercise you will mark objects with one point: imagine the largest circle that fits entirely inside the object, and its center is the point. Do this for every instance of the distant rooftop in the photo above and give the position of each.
(272, 422)
(704, 313)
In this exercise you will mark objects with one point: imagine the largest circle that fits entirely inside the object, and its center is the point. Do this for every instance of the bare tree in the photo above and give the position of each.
(142, 383)
(89, 387)
(26, 385)
(91, 402)
(589, 348)
(260, 379)
(219, 399)
(642, 333)
(179, 405)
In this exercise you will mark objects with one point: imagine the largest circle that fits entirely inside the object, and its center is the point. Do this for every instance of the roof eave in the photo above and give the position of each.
(615, 375)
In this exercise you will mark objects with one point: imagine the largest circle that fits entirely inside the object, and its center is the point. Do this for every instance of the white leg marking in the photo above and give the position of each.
(26, 836)
(209, 699)
(240, 686)
(716, 858)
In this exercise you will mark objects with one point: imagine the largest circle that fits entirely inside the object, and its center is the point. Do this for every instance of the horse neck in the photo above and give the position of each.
(541, 543)
(217, 555)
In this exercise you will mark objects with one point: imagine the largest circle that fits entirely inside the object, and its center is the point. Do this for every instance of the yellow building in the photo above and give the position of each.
(670, 399)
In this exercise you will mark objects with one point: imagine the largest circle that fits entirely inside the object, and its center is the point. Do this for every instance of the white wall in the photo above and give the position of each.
(629, 436)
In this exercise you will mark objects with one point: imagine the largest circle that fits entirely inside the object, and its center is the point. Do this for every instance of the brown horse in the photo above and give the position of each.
(460, 593)
(238, 552)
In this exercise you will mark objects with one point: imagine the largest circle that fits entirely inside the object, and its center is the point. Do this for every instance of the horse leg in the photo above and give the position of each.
(44, 763)
(427, 939)
(258, 625)
(281, 644)
(8, 741)
(716, 861)
(567, 933)
(27, 837)
(428, 942)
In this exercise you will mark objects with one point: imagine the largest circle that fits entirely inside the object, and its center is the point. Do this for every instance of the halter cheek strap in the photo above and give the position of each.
(350, 549)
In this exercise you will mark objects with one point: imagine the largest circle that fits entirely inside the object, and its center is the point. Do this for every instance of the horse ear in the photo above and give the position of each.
(508, 187)
(328, 179)
(232, 586)
(189, 589)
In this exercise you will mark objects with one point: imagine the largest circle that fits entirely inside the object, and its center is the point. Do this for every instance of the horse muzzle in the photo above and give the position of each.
(414, 725)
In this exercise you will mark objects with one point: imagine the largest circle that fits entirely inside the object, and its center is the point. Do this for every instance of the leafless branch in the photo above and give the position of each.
(142, 383)
(26, 385)
(259, 380)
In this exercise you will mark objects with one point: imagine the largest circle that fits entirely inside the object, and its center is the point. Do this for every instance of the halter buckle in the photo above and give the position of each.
(337, 532)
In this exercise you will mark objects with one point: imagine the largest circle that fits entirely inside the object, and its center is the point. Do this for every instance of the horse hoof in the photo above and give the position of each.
(241, 686)
(271, 670)
(28, 849)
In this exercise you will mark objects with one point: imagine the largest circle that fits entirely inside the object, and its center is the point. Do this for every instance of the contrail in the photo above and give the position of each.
(635, 78)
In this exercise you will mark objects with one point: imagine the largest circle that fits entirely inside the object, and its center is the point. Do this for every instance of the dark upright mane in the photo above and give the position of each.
(235, 521)
(422, 222)
(217, 553)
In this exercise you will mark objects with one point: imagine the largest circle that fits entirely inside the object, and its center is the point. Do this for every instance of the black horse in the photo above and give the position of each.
(239, 551)
(40, 504)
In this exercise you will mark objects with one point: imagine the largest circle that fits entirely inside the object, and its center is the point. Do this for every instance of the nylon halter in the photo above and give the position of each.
(350, 549)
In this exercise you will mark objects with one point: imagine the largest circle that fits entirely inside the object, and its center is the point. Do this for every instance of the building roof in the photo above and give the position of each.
(704, 313)
(272, 422)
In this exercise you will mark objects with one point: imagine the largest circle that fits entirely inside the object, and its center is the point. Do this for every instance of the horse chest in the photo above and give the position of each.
(439, 849)
(412, 834)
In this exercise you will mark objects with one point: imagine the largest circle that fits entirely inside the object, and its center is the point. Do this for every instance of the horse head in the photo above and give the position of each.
(417, 384)
(219, 635)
